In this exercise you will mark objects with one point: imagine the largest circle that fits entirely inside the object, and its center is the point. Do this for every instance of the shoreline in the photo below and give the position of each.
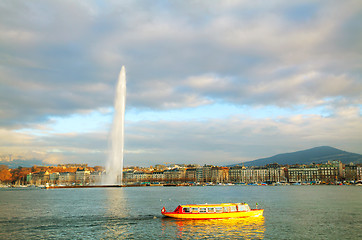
(167, 185)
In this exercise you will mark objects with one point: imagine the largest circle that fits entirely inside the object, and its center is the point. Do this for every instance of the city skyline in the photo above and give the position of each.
(208, 83)
(333, 172)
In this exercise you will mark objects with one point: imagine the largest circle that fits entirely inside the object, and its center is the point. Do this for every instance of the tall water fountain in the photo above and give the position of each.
(114, 165)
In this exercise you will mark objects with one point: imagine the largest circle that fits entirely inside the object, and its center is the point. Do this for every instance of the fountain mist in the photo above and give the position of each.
(114, 165)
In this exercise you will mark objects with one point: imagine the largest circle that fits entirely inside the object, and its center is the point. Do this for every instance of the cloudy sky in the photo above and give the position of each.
(208, 82)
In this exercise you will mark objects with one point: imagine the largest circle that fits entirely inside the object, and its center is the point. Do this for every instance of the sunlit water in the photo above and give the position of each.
(291, 212)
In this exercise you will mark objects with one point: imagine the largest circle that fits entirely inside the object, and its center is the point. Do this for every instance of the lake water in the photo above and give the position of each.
(291, 212)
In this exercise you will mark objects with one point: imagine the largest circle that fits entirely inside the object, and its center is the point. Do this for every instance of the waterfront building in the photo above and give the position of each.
(29, 177)
(139, 176)
(302, 174)
(66, 178)
(38, 178)
(219, 174)
(339, 166)
(44, 177)
(199, 174)
(82, 176)
(158, 176)
(148, 176)
(191, 175)
(248, 176)
(128, 176)
(175, 175)
(333, 171)
(236, 174)
(261, 174)
(328, 173)
(359, 172)
(350, 172)
(95, 177)
(276, 173)
(242, 174)
(206, 173)
(167, 175)
(54, 178)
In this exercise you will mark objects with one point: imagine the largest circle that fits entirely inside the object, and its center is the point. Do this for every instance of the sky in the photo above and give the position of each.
(208, 82)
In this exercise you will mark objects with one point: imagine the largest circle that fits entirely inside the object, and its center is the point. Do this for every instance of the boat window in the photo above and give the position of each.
(195, 210)
(203, 209)
(226, 209)
(218, 209)
(210, 209)
(243, 208)
(233, 209)
(186, 209)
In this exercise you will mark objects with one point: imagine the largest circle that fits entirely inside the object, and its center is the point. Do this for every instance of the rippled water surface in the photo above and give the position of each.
(291, 212)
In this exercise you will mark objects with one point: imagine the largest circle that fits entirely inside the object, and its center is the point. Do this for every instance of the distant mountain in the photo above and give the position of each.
(314, 155)
(22, 163)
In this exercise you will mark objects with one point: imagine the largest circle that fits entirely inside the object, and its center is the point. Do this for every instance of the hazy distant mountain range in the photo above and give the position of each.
(22, 163)
(314, 155)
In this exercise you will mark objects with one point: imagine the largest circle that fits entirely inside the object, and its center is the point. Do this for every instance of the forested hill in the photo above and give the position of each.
(314, 155)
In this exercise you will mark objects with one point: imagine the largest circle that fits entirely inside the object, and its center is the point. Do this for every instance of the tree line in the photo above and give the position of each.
(18, 175)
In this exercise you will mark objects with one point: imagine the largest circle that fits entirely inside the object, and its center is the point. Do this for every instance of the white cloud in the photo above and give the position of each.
(216, 141)
(242, 137)
(61, 59)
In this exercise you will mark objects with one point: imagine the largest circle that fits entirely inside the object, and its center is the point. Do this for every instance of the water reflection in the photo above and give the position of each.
(116, 202)
(240, 228)
(116, 213)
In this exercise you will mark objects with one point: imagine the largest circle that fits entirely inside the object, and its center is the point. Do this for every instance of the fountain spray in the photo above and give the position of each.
(114, 165)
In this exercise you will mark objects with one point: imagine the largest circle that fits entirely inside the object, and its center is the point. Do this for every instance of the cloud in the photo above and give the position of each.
(240, 137)
(217, 141)
(163, 45)
(54, 148)
(61, 59)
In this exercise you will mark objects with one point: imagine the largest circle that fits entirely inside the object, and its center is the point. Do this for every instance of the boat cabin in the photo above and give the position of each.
(217, 208)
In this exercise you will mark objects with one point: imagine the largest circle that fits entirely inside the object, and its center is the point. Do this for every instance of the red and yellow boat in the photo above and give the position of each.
(213, 211)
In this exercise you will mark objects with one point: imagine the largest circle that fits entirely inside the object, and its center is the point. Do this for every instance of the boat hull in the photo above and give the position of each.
(242, 214)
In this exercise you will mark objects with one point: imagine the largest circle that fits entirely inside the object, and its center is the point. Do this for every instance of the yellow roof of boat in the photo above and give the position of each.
(212, 205)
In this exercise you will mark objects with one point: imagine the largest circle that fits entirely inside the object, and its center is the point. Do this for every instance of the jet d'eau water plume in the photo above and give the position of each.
(114, 165)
